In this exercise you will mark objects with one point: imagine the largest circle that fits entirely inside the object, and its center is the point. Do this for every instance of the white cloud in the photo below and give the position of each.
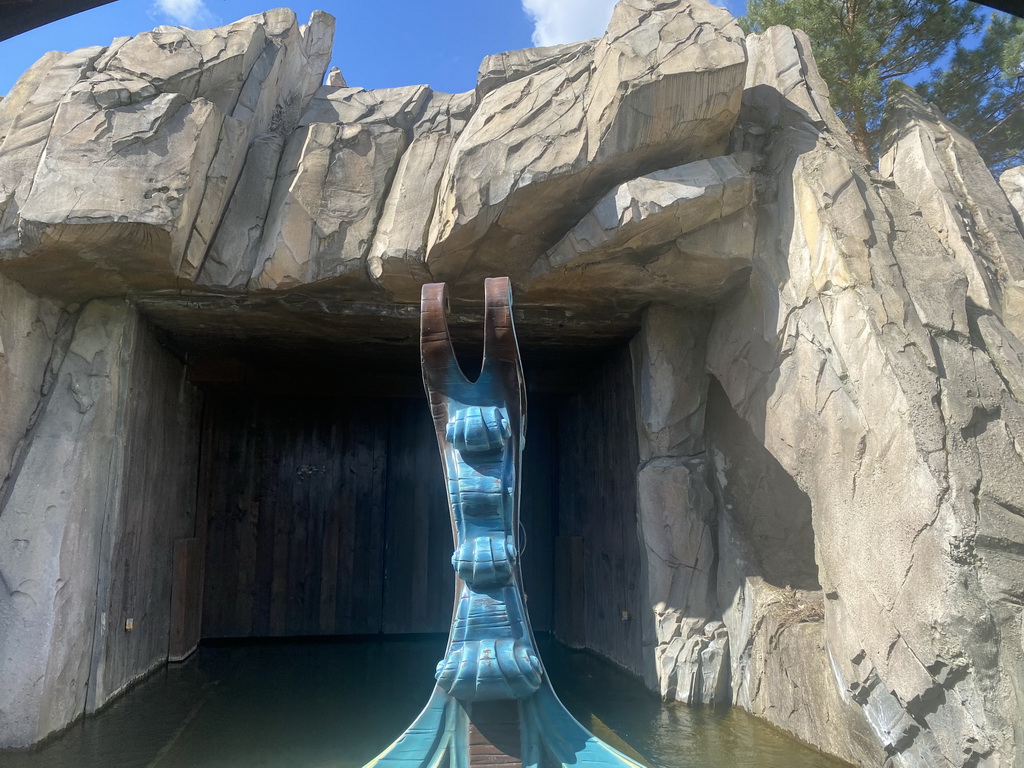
(566, 21)
(190, 13)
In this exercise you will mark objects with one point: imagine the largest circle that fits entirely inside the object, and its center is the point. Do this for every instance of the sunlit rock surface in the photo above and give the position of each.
(1012, 182)
(857, 359)
(828, 373)
(634, 240)
(119, 168)
(939, 170)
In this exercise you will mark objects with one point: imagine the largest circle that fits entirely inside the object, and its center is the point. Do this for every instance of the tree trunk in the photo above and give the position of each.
(860, 134)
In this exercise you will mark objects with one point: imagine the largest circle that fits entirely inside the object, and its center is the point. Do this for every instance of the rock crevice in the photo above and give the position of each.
(828, 371)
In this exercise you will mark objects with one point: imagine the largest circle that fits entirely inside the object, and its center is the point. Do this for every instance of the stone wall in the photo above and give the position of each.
(772, 604)
(857, 359)
(155, 507)
(33, 340)
(685, 651)
(225, 168)
(71, 530)
(827, 378)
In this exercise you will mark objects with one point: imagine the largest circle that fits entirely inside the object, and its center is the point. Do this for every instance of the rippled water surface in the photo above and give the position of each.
(338, 704)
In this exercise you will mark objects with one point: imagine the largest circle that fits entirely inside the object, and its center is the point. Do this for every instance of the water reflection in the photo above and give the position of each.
(337, 704)
(668, 735)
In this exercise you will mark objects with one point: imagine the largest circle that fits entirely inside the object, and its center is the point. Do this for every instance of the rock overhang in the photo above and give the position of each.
(305, 337)
(297, 239)
(213, 163)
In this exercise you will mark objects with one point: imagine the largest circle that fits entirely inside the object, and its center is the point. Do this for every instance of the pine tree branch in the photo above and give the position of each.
(1009, 114)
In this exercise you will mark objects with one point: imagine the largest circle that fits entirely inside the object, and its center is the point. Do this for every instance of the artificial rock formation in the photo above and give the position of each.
(859, 362)
(659, 215)
(676, 510)
(940, 171)
(138, 151)
(1012, 183)
(264, 182)
(100, 475)
(828, 363)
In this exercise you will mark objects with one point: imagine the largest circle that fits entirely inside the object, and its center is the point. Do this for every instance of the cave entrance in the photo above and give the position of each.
(321, 509)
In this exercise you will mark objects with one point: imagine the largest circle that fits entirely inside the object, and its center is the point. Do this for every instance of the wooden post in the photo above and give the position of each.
(186, 599)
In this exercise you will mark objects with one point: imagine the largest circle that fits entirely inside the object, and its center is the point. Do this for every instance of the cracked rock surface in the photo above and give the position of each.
(860, 359)
(214, 161)
(828, 372)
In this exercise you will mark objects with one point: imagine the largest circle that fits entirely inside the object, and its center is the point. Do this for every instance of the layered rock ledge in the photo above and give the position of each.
(827, 360)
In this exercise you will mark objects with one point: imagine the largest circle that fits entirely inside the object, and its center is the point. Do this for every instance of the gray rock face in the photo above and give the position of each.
(937, 168)
(397, 260)
(61, 502)
(653, 60)
(50, 531)
(334, 77)
(499, 69)
(27, 116)
(687, 657)
(266, 182)
(768, 592)
(581, 119)
(1012, 183)
(29, 327)
(668, 370)
(828, 374)
(143, 149)
(323, 212)
(676, 516)
(635, 239)
(852, 359)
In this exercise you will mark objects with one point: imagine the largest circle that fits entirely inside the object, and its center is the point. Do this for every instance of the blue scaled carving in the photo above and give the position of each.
(491, 654)
(486, 560)
(478, 430)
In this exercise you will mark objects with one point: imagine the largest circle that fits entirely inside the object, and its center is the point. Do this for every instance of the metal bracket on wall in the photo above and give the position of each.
(493, 703)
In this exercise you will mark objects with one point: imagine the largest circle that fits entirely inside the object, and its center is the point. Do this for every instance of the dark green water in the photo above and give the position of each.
(337, 705)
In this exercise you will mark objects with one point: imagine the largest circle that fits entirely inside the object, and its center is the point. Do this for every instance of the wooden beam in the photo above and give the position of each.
(186, 599)
(494, 740)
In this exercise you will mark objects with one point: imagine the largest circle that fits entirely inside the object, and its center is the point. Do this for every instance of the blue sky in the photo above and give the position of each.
(377, 44)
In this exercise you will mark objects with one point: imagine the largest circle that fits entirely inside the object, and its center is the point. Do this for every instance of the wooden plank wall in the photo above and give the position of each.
(597, 462)
(186, 598)
(537, 511)
(329, 517)
(570, 625)
(419, 581)
(156, 507)
(294, 500)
